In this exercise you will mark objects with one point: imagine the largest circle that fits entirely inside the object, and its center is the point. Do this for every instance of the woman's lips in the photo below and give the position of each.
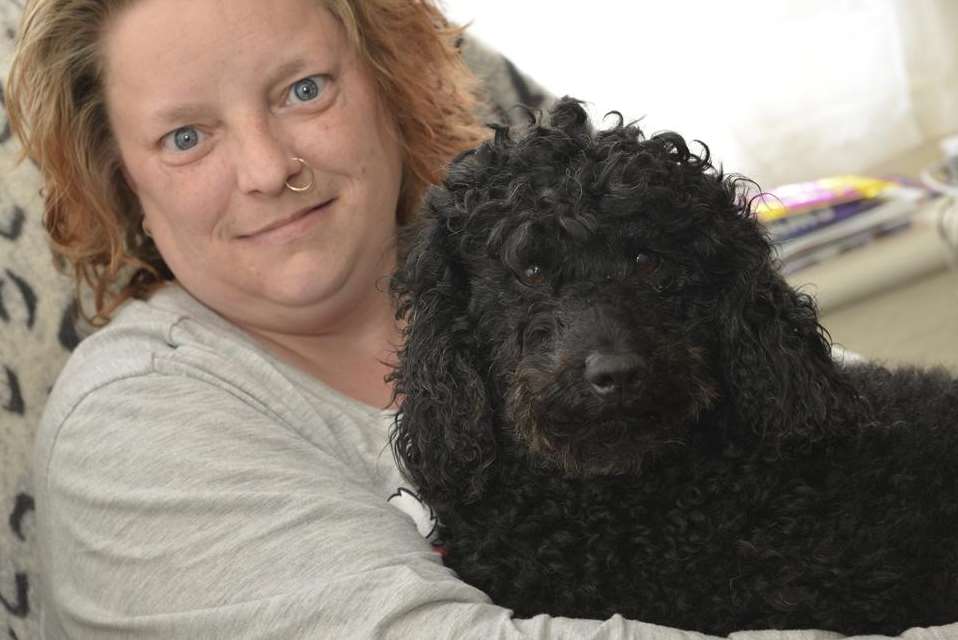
(289, 228)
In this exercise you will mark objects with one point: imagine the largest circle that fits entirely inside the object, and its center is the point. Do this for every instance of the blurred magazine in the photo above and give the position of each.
(805, 235)
(791, 200)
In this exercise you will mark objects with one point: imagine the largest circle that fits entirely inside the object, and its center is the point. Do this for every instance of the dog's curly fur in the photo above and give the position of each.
(616, 404)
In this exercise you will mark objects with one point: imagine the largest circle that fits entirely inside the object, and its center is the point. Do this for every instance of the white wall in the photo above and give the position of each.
(782, 90)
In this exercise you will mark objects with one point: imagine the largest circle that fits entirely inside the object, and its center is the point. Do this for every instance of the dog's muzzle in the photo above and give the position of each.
(608, 388)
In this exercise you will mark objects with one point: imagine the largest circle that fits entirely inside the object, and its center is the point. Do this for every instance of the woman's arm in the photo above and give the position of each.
(170, 509)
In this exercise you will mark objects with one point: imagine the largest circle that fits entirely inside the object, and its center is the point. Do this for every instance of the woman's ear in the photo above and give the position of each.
(443, 437)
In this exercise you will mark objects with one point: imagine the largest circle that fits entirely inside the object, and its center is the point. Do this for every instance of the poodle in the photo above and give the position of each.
(615, 404)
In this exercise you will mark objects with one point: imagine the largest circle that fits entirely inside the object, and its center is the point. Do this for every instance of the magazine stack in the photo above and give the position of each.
(810, 222)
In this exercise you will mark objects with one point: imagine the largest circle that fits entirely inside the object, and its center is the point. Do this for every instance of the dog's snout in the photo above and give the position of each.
(611, 372)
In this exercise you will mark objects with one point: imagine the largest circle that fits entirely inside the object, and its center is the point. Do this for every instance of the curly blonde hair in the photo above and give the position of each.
(57, 108)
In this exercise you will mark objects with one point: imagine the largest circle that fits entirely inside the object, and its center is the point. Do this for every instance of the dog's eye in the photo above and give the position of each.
(645, 262)
(534, 275)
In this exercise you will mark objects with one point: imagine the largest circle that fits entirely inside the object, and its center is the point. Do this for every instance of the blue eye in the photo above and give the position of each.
(183, 139)
(307, 89)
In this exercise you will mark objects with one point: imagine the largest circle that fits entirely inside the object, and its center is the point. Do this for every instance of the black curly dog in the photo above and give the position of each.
(616, 404)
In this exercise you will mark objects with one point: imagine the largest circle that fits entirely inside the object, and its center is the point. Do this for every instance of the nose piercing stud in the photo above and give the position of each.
(304, 166)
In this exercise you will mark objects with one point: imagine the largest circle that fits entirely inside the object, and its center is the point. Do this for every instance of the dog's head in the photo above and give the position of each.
(594, 298)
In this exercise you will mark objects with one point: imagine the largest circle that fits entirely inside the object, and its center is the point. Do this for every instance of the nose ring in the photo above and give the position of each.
(304, 166)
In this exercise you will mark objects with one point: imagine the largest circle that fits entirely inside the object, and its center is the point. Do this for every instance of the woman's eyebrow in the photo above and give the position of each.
(293, 67)
(178, 114)
(190, 112)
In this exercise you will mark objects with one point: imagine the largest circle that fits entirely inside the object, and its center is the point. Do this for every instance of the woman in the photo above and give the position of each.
(214, 463)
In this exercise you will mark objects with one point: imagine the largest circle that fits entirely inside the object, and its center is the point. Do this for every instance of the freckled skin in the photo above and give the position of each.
(227, 73)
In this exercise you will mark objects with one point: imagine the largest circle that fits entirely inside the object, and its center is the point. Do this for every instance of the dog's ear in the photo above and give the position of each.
(781, 379)
(443, 436)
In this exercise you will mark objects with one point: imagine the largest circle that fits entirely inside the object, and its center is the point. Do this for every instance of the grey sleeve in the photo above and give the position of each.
(159, 520)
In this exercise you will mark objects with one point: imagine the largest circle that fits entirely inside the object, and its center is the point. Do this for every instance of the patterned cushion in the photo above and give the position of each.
(38, 328)
(34, 343)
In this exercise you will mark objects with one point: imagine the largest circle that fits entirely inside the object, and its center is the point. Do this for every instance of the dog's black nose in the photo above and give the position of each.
(611, 372)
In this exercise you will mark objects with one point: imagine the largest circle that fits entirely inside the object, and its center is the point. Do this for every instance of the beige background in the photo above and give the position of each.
(895, 300)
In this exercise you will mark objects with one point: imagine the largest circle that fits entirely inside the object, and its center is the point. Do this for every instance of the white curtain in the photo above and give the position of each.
(781, 91)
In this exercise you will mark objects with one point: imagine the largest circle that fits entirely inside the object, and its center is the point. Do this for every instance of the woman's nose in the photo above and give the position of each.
(263, 162)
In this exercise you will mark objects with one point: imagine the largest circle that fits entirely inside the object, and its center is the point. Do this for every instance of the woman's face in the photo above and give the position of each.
(209, 101)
